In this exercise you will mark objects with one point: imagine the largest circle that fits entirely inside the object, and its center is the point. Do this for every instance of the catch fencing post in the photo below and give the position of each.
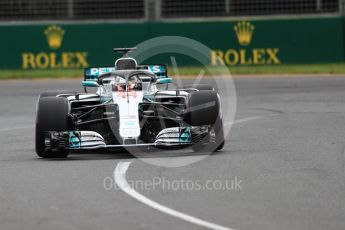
(70, 9)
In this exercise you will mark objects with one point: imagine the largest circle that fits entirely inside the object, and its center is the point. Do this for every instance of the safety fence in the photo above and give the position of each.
(78, 10)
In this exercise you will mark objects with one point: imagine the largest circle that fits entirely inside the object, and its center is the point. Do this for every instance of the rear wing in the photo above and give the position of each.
(160, 71)
(92, 73)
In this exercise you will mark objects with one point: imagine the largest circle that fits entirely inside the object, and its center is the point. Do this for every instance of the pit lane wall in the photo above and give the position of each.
(248, 42)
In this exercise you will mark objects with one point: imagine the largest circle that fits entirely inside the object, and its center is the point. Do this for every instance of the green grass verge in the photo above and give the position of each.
(36, 74)
(236, 70)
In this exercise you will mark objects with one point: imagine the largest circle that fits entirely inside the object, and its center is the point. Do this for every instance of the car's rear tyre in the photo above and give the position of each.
(52, 115)
(54, 93)
(203, 109)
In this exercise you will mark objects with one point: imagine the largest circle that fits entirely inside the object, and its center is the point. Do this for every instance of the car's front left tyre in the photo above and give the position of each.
(203, 110)
(52, 115)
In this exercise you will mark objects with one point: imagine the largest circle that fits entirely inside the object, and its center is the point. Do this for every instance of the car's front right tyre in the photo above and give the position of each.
(51, 115)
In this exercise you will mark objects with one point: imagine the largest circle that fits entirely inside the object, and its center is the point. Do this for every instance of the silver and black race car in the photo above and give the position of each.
(128, 110)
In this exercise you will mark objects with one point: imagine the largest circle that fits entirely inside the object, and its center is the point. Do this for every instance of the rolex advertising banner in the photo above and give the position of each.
(65, 46)
(243, 42)
(264, 42)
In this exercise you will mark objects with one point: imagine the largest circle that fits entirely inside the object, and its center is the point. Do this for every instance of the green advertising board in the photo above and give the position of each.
(65, 46)
(265, 42)
(249, 42)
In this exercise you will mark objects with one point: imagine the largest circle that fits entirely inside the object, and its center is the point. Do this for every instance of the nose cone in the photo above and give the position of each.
(128, 104)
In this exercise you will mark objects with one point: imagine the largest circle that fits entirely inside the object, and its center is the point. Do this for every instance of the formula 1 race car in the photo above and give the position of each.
(128, 110)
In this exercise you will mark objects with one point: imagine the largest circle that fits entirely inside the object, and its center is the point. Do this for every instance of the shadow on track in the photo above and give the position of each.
(119, 155)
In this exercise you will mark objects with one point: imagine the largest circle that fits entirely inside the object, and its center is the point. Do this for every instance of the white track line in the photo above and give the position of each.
(249, 119)
(243, 120)
(15, 128)
(120, 180)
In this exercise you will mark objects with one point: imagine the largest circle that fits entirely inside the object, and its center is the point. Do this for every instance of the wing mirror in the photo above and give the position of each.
(164, 80)
(89, 84)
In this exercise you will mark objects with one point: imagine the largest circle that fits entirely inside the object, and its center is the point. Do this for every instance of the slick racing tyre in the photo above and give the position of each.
(203, 110)
(52, 115)
(213, 141)
(54, 93)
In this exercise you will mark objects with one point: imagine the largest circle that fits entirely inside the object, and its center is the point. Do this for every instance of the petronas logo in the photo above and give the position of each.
(54, 35)
(244, 31)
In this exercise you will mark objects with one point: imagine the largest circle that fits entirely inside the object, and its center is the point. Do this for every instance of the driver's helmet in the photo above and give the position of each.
(119, 84)
(134, 83)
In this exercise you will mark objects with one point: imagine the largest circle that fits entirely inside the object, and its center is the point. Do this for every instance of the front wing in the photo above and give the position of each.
(170, 138)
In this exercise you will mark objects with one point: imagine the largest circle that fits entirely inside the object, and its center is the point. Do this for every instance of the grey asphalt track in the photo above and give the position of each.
(291, 167)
